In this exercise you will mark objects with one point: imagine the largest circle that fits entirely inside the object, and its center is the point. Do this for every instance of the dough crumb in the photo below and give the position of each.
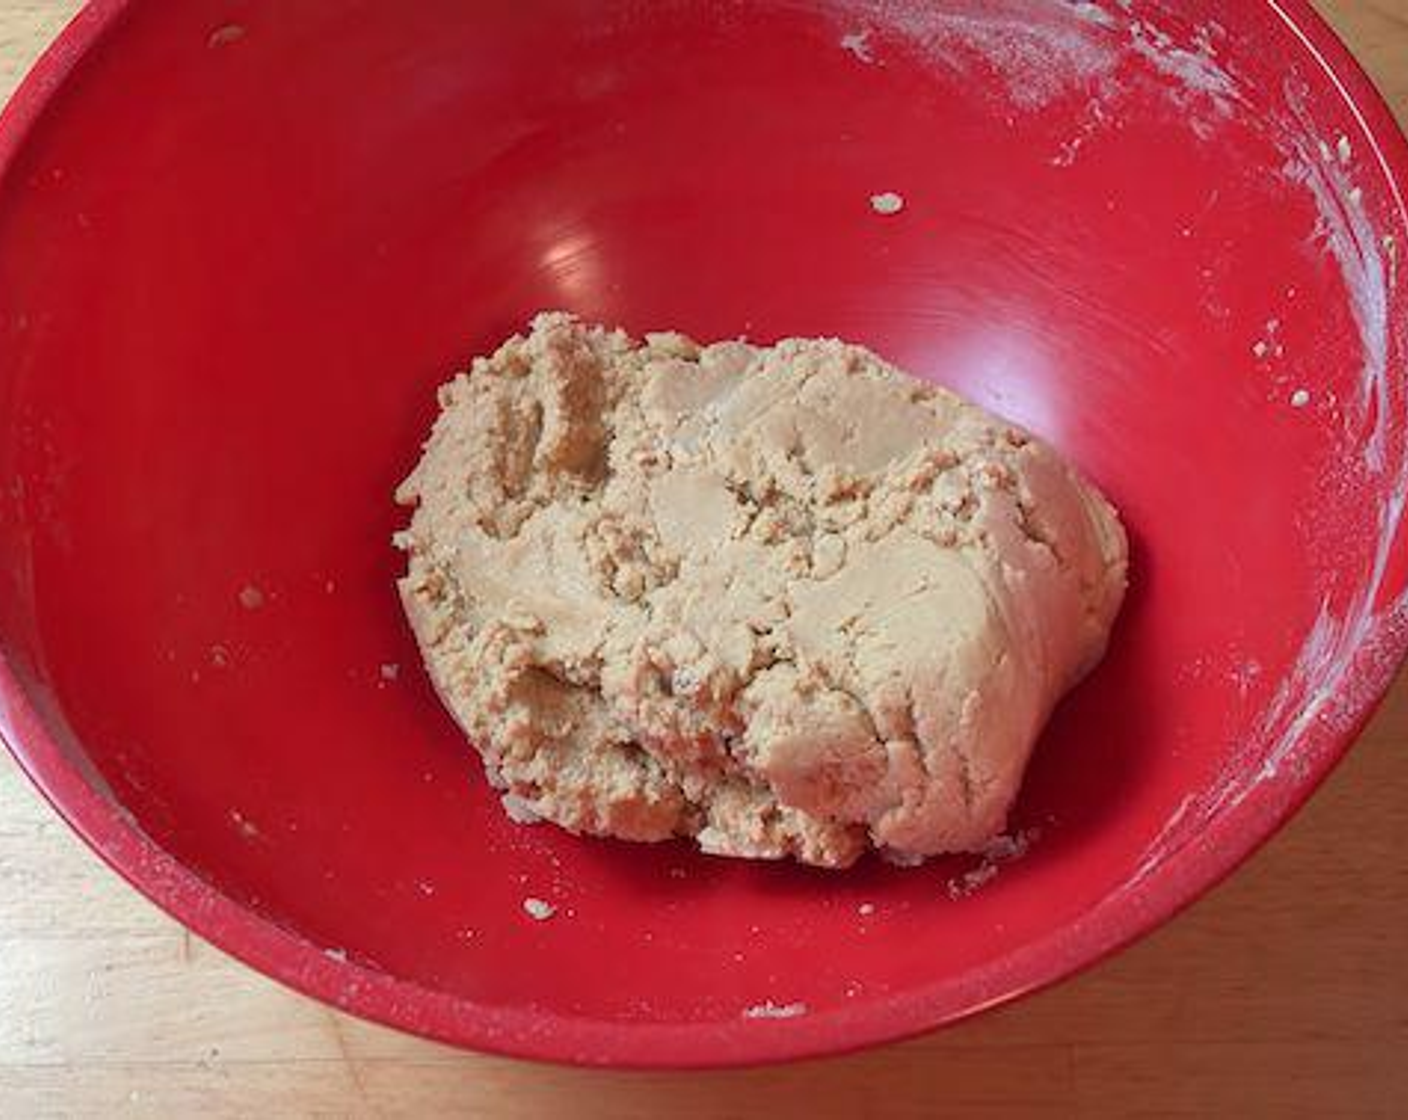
(887, 203)
(785, 601)
(251, 598)
(389, 671)
(518, 810)
(971, 881)
(769, 1010)
(998, 851)
(1300, 398)
(865, 909)
(538, 910)
(1004, 849)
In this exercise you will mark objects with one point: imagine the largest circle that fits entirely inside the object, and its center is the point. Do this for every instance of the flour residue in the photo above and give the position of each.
(857, 45)
(1170, 838)
(1042, 50)
(1347, 233)
(999, 852)
(1328, 679)
(1194, 69)
(1346, 656)
(1094, 120)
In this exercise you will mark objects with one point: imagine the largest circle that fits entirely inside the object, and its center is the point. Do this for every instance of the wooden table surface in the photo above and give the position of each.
(1283, 993)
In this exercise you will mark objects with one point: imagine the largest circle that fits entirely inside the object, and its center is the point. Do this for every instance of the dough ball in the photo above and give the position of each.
(787, 600)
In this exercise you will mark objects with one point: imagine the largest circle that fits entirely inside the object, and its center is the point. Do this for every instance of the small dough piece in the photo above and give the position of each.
(786, 601)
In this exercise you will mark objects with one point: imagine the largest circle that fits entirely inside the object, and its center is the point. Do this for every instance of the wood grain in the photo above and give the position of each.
(1284, 993)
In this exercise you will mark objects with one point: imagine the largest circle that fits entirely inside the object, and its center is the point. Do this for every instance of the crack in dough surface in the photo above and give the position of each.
(786, 601)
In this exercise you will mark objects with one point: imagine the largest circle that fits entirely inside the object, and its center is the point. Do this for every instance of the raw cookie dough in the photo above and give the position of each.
(786, 601)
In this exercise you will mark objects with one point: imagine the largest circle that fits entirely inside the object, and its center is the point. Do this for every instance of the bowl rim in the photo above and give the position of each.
(1115, 922)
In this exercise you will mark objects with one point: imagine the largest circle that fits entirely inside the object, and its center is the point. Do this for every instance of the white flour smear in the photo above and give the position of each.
(1341, 661)
(1346, 655)
(1045, 49)
(1349, 236)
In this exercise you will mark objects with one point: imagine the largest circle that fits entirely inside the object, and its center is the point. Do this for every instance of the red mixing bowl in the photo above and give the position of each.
(241, 244)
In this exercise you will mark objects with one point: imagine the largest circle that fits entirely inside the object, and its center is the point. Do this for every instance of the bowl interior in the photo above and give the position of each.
(242, 244)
